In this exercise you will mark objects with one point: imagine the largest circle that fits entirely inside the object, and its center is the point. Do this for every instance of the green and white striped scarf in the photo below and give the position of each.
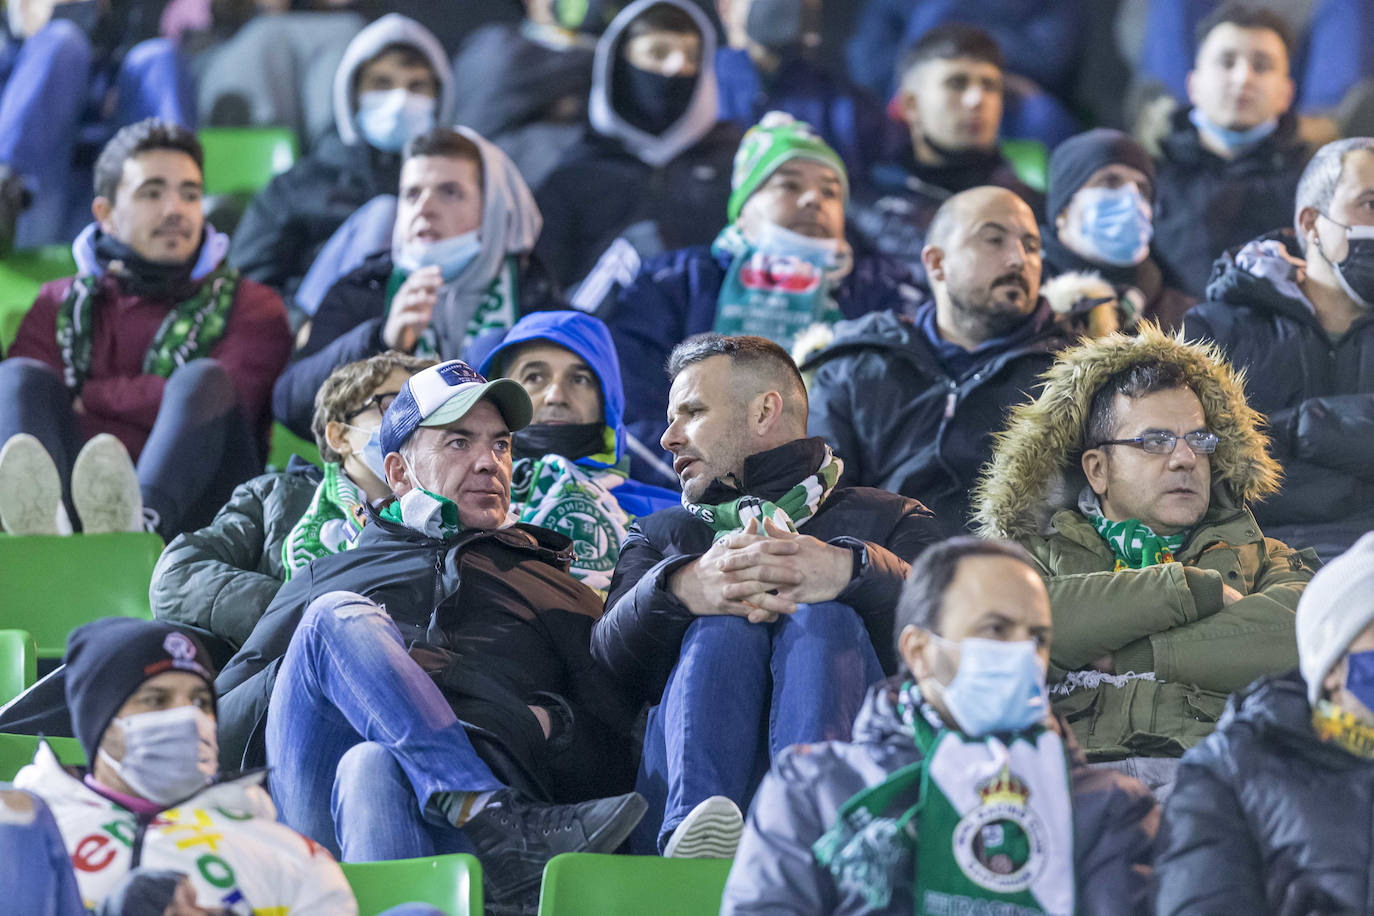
(790, 511)
(331, 523)
(498, 308)
(555, 493)
(1134, 544)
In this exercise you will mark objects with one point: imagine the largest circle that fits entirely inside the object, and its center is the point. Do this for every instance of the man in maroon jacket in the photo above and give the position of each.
(155, 349)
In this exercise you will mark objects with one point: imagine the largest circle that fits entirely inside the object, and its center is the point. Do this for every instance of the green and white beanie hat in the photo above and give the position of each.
(777, 138)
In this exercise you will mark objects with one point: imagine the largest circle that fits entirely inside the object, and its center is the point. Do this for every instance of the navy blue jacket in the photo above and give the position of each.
(1317, 393)
(675, 296)
(886, 403)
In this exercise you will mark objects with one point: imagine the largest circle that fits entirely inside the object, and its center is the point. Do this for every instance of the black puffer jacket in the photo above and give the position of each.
(1264, 818)
(639, 636)
(348, 326)
(1318, 394)
(1205, 204)
(289, 221)
(458, 599)
(901, 422)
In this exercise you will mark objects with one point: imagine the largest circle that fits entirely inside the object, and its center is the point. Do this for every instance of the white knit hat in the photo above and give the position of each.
(1336, 605)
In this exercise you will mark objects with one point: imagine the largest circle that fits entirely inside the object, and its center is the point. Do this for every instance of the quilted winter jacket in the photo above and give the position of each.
(1178, 649)
(1265, 818)
(222, 577)
(1114, 822)
(1318, 393)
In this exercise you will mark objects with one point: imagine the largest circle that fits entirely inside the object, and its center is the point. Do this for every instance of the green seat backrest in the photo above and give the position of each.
(21, 274)
(51, 584)
(577, 884)
(18, 663)
(242, 160)
(1030, 161)
(16, 752)
(284, 444)
(451, 883)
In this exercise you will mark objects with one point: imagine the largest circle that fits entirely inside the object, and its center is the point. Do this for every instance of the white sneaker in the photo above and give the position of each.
(105, 488)
(30, 488)
(711, 830)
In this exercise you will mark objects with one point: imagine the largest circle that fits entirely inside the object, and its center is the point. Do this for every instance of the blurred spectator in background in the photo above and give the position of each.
(393, 83)
(950, 96)
(524, 86)
(653, 172)
(1292, 308)
(781, 269)
(68, 82)
(157, 349)
(458, 268)
(1230, 163)
(1097, 234)
(769, 63)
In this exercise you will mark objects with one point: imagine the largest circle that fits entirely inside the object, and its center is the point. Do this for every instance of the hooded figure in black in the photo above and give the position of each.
(654, 169)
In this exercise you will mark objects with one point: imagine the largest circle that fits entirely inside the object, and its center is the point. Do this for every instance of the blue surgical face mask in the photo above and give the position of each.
(775, 239)
(1359, 677)
(372, 452)
(1114, 226)
(388, 118)
(999, 687)
(450, 255)
(1234, 140)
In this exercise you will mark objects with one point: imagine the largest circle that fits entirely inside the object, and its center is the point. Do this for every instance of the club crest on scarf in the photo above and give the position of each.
(1000, 845)
(784, 273)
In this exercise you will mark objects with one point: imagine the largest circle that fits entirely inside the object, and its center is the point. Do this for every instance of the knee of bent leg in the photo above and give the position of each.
(366, 764)
(829, 620)
(28, 378)
(727, 629)
(64, 45)
(205, 382)
(335, 607)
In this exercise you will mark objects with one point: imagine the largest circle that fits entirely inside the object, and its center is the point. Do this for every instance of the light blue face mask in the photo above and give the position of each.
(450, 255)
(775, 239)
(1233, 140)
(999, 687)
(372, 452)
(387, 119)
(1115, 226)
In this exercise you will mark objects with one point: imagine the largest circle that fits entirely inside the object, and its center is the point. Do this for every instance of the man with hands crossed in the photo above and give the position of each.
(752, 617)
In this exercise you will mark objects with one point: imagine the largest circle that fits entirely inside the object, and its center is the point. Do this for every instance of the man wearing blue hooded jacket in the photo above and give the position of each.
(571, 473)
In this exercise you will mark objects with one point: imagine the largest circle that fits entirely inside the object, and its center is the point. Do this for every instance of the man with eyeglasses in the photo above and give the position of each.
(1128, 479)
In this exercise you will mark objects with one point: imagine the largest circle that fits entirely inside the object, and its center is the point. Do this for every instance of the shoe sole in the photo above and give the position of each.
(30, 488)
(713, 834)
(618, 826)
(105, 487)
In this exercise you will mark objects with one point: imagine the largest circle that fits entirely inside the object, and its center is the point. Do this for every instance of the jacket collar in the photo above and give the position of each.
(1222, 523)
(552, 547)
(770, 474)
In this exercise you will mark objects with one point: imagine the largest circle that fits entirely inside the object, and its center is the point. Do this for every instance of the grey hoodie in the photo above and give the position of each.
(391, 29)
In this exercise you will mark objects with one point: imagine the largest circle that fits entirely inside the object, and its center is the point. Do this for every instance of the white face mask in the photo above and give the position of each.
(388, 118)
(450, 255)
(776, 239)
(422, 509)
(371, 454)
(169, 754)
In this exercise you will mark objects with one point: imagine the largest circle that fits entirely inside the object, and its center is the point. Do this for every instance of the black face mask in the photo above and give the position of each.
(650, 102)
(573, 441)
(141, 277)
(1355, 273)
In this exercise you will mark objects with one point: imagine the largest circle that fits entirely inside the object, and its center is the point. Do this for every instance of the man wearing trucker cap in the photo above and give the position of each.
(431, 690)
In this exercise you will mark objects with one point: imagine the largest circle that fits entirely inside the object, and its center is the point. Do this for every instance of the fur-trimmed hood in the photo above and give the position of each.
(1034, 469)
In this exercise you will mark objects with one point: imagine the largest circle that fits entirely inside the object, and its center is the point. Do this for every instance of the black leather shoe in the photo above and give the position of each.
(515, 838)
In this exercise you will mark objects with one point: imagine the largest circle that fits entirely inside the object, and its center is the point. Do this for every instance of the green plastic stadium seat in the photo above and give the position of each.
(21, 275)
(1030, 161)
(16, 752)
(284, 444)
(451, 883)
(18, 663)
(577, 884)
(51, 584)
(242, 160)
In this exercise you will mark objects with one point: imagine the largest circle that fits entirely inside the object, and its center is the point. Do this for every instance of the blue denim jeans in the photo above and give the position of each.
(801, 679)
(34, 868)
(359, 738)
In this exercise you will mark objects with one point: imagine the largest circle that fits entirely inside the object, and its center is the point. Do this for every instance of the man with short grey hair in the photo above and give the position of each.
(1293, 308)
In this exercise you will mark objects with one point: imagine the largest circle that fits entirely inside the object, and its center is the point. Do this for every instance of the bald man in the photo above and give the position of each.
(756, 614)
(910, 404)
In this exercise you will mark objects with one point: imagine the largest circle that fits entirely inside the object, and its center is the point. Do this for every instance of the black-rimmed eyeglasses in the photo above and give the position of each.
(1201, 441)
(380, 401)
